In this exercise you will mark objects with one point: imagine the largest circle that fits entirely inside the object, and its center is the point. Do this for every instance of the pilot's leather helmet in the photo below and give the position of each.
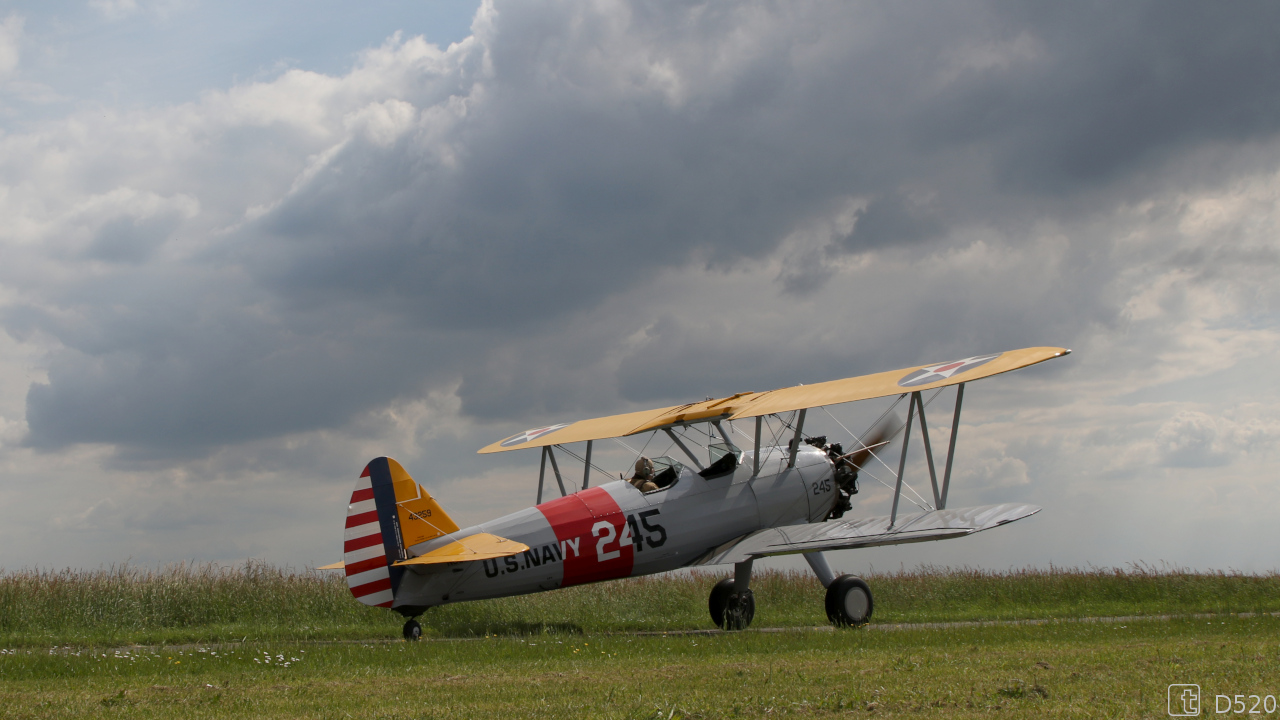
(644, 468)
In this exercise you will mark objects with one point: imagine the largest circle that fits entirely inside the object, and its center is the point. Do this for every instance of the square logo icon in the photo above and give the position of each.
(1184, 700)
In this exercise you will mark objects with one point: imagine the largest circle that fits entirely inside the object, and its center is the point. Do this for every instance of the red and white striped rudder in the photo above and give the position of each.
(364, 548)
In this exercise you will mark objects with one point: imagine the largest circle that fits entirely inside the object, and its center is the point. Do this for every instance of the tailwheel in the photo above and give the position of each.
(731, 610)
(412, 631)
(849, 601)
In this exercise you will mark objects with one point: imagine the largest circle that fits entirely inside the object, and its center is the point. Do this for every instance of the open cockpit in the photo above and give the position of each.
(725, 458)
(655, 474)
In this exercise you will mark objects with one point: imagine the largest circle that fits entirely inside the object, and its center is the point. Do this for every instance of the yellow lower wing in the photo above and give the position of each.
(481, 546)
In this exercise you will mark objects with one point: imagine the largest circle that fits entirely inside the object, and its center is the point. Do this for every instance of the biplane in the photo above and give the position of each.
(731, 496)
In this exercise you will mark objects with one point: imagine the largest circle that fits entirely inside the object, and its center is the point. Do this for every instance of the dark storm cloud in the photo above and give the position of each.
(1123, 87)
(894, 220)
(570, 156)
(178, 388)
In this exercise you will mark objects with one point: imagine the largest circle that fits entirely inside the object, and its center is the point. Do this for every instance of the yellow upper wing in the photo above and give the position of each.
(751, 404)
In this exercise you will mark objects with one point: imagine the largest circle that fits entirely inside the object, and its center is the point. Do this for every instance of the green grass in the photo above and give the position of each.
(256, 641)
(1081, 670)
(187, 603)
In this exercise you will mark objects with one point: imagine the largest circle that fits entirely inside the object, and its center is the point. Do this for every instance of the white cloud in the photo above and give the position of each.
(1196, 439)
(1190, 439)
(10, 43)
(382, 123)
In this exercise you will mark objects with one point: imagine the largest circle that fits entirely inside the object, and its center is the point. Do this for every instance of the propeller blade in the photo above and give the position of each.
(875, 439)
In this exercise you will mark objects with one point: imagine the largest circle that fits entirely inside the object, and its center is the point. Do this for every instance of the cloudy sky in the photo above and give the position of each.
(245, 250)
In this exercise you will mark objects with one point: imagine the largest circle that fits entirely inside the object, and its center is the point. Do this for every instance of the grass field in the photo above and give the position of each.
(261, 642)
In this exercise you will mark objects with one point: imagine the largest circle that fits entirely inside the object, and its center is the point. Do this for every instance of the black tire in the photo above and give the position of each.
(412, 631)
(728, 610)
(849, 602)
(719, 600)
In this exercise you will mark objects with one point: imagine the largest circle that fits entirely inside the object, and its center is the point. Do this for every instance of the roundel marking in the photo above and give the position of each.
(533, 434)
(944, 371)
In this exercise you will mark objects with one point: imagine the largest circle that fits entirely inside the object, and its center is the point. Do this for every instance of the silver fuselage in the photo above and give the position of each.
(614, 530)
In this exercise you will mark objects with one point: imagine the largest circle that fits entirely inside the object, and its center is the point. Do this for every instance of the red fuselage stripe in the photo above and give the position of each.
(593, 518)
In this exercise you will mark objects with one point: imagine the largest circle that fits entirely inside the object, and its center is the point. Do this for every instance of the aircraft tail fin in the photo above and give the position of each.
(389, 513)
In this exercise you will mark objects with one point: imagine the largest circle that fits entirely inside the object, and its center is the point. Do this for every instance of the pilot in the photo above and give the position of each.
(643, 477)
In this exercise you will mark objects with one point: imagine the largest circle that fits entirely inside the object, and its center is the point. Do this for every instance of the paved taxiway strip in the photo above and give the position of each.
(964, 624)
(888, 627)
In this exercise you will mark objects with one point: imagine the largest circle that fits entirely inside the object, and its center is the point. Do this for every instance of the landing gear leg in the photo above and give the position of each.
(818, 562)
(412, 630)
(731, 604)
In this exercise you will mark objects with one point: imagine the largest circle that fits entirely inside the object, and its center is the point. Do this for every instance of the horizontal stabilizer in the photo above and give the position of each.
(335, 566)
(867, 532)
(481, 546)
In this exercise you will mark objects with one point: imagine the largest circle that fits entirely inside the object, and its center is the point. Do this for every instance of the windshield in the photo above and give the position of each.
(663, 462)
(724, 459)
(719, 450)
(666, 471)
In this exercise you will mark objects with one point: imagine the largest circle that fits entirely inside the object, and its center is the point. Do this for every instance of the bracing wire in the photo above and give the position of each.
(628, 447)
(864, 446)
(580, 459)
(638, 454)
(875, 455)
(698, 427)
(777, 434)
(900, 430)
(685, 436)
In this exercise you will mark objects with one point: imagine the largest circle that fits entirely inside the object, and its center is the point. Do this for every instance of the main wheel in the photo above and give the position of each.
(731, 610)
(412, 631)
(849, 601)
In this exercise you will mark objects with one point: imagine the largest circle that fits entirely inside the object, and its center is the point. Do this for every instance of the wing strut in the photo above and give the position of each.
(939, 496)
(683, 447)
(928, 449)
(902, 464)
(542, 474)
(795, 439)
(951, 451)
(555, 467)
(723, 434)
(586, 467)
(755, 459)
